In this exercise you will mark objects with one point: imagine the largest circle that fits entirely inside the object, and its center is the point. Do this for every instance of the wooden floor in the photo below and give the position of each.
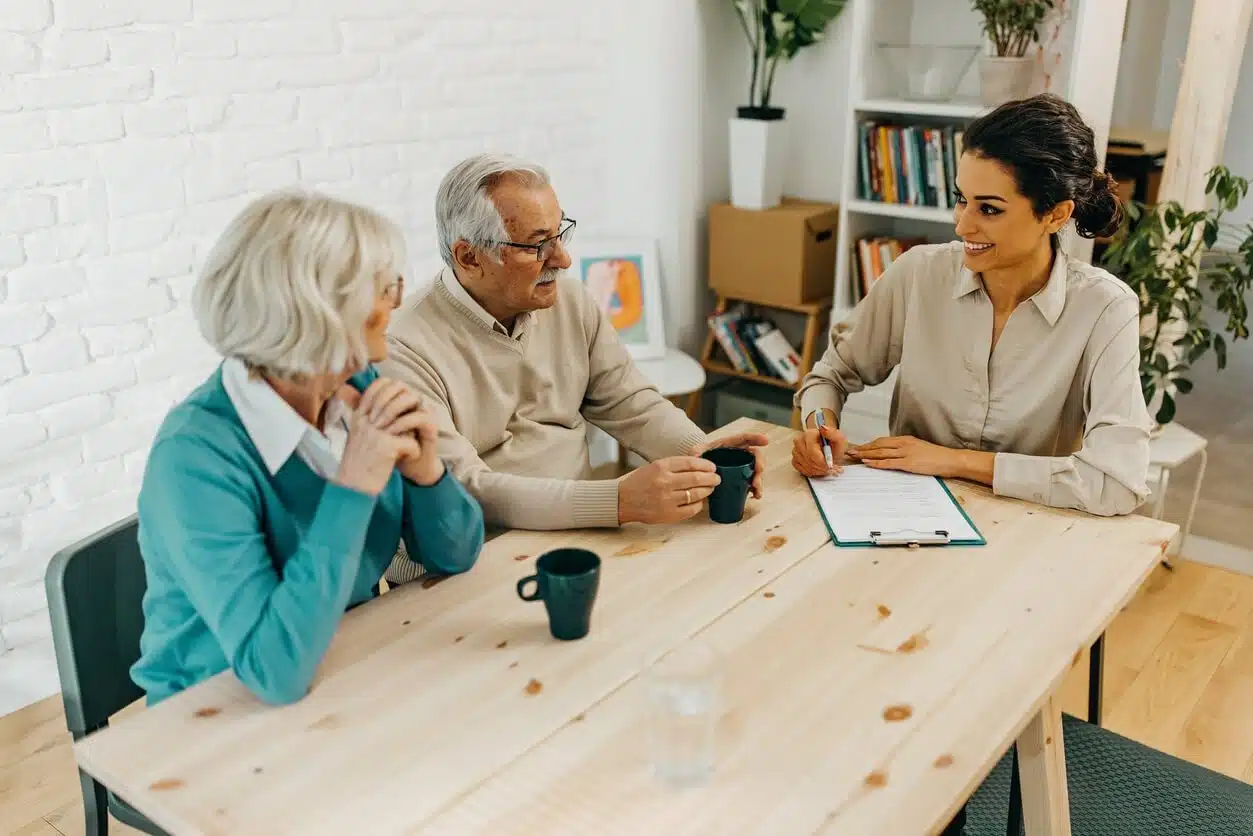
(1179, 675)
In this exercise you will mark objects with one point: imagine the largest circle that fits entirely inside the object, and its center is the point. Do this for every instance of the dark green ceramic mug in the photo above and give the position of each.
(566, 580)
(735, 469)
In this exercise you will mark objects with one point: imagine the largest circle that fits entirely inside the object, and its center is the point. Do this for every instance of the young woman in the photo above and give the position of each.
(1018, 365)
(275, 495)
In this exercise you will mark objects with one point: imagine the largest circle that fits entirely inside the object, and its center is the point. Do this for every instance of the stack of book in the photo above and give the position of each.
(908, 164)
(871, 256)
(755, 345)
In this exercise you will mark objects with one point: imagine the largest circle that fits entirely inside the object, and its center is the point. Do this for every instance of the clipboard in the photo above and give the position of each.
(884, 495)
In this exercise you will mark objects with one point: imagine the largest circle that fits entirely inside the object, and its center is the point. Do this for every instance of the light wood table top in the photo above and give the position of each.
(449, 709)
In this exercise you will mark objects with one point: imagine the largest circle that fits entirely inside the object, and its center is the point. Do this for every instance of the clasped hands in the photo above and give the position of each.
(387, 431)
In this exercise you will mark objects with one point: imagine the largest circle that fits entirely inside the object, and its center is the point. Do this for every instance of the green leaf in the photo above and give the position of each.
(1220, 350)
(812, 14)
(1183, 385)
(1166, 413)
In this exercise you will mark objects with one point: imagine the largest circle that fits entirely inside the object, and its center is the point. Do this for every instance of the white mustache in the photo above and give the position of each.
(550, 275)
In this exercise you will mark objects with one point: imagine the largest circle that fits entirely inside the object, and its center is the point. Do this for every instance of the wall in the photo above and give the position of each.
(132, 130)
(1148, 82)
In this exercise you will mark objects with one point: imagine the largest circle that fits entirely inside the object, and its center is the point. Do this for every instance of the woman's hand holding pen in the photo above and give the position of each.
(808, 457)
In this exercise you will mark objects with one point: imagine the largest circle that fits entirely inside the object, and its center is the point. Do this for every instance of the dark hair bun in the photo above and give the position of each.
(1052, 153)
(1099, 212)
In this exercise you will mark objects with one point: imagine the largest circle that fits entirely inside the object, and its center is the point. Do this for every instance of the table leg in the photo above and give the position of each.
(1042, 771)
(1096, 680)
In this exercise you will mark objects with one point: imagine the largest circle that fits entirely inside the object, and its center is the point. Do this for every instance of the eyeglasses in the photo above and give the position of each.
(544, 249)
(395, 291)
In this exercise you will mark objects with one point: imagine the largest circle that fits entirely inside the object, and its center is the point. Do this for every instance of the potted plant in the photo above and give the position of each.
(1168, 257)
(776, 30)
(1011, 27)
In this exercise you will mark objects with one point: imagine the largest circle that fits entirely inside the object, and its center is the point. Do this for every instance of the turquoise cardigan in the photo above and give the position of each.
(252, 572)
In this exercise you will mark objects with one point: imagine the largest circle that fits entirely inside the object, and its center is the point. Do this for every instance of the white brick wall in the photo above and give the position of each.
(130, 132)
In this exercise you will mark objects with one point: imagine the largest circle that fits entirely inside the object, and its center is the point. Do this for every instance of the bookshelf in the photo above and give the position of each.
(714, 358)
(1089, 43)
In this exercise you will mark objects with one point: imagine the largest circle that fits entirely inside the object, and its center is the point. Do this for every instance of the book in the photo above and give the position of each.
(914, 165)
(873, 255)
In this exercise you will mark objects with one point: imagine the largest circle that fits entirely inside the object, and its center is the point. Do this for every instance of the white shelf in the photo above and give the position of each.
(906, 107)
(902, 210)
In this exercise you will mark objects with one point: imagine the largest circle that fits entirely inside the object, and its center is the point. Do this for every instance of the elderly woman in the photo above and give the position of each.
(275, 495)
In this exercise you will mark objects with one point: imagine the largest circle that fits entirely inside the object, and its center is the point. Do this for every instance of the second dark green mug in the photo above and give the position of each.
(566, 580)
(735, 469)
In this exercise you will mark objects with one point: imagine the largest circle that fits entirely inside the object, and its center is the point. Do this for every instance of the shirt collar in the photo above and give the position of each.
(1048, 300)
(275, 428)
(458, 291)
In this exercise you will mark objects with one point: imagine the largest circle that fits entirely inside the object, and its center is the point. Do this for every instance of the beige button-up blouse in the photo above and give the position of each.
(1058, 400)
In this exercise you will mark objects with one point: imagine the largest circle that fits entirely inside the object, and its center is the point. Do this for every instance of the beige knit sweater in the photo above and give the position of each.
(513, 408)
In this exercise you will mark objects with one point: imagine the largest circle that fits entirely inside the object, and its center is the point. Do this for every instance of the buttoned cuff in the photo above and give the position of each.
(819, 397)
(1023, 477)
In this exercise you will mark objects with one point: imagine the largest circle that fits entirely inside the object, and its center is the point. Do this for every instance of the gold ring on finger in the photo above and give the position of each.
(688, 493)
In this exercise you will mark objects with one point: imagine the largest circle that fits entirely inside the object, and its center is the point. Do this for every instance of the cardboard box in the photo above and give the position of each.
(783, 256)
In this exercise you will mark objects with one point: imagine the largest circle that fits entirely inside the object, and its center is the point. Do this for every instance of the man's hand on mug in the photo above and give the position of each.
(807, 455)
(666, 491)
(753, 442)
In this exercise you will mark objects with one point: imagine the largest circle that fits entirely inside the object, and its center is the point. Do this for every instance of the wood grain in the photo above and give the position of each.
(1162, 697)
(1042, 762)
(418, 691)
(42, 724)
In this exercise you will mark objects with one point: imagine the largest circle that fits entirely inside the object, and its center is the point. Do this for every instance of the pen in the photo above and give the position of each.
(826, 446)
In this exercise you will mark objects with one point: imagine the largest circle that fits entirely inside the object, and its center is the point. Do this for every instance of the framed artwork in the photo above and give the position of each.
(623, 277)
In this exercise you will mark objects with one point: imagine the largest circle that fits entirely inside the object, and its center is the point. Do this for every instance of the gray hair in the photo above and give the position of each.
(290, 283)
(464, 209)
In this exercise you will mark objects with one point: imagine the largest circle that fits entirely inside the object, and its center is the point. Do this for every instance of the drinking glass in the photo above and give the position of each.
(684, 703)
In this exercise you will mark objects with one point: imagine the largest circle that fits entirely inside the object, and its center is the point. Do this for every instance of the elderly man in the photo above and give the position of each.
(513, 359)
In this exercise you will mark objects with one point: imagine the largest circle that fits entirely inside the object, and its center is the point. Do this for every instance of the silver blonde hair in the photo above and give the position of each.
(289, 285)
(464, 209)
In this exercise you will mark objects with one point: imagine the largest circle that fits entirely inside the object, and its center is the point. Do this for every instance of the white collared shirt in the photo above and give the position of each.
(1058, 397)
(277, 430)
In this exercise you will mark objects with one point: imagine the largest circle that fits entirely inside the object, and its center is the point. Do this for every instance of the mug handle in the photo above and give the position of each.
(534, 596)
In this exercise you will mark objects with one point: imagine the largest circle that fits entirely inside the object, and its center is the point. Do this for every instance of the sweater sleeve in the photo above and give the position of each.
(621, 401)
(507, 500)
(1107, 476)
(273, 628)
(443, 525)
(864, 348)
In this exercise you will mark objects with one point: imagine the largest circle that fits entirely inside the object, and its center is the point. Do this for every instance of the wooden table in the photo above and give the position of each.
(449, 709)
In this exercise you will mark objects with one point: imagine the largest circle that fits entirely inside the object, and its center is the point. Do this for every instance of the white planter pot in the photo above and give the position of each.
(1004, 79)
(758, 149)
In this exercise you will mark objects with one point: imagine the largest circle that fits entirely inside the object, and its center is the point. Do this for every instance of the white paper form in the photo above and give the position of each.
(863, 499)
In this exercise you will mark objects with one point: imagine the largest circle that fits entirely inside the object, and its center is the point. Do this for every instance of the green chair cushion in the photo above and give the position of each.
(1119, 787)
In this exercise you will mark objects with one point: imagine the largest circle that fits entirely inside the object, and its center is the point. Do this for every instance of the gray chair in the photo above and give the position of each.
(95, 598)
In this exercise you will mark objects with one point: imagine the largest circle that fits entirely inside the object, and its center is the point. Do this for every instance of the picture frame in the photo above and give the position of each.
(623, 275)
